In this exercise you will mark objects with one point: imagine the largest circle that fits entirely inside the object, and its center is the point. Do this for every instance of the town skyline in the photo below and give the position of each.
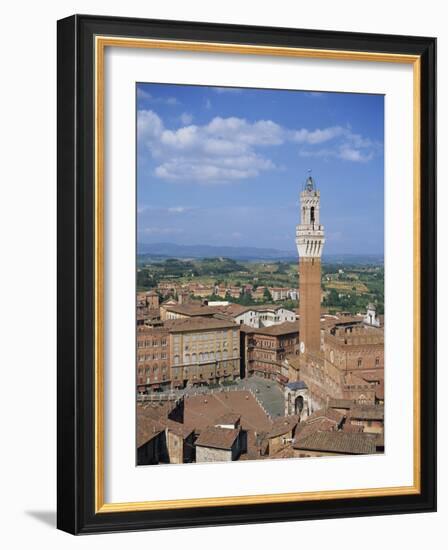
(217, 166)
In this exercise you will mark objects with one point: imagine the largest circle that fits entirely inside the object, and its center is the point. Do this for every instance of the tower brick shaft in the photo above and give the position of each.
(310, 240)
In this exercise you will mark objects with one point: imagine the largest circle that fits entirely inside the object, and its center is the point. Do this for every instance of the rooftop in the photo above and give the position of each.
(367, 412)
(229, 418)
(328, 414)
(288, 327)
(299, 385)
(337, 442)
(198, 323)
(191, 310)
(217, 438)
(205, 410)
(283, 425)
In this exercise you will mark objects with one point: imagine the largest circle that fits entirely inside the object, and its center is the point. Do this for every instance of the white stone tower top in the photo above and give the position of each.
(309, 233)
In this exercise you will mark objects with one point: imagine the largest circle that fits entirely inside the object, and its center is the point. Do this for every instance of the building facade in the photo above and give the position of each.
(153, 358)
(203, 351)
(266, 348)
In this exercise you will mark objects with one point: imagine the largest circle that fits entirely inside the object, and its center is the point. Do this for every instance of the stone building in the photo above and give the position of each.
(266, 348)
(370, 417)
(179, 440)
(296, 399)
(216, 444)
(153, 358)
(203, 351)
(281, 434)
(279, 293)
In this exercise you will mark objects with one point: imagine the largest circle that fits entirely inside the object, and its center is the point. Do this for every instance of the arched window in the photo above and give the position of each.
(312, 214)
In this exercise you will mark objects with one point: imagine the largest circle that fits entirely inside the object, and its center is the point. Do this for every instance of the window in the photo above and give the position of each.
(176, 359)
(359, 362)
(377, 361)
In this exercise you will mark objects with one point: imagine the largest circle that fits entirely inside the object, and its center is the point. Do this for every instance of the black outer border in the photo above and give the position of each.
(75, 403)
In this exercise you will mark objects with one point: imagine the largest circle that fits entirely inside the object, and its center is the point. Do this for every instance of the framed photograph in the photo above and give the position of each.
(246, 274)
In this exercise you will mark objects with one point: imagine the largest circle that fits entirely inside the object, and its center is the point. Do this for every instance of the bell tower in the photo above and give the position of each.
(310, 242)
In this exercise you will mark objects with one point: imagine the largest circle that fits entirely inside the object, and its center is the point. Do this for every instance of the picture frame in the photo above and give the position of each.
(82, 41)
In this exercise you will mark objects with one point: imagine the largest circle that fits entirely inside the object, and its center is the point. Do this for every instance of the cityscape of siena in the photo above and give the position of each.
(234, 364)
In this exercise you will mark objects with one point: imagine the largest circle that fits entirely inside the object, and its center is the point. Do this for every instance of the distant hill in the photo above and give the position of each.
(170, 250)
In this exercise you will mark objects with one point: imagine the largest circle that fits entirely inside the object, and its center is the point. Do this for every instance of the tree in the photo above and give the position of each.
(267, 296)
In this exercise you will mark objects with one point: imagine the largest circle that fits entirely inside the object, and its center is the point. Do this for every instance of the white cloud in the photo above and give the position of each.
(355, 155)
(228, 149)
(149, 98)
(318, 136)
(186, 118)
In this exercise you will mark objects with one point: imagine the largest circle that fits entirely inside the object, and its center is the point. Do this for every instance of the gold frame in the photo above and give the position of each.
(101, 42)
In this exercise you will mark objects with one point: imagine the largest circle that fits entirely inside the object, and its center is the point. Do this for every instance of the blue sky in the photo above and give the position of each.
(224, 166)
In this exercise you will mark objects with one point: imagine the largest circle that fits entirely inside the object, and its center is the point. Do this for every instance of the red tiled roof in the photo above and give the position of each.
(283, 425)
(217, 438)
(337, 442)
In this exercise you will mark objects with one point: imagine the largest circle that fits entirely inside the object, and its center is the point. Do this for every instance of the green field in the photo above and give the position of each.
(346, 287)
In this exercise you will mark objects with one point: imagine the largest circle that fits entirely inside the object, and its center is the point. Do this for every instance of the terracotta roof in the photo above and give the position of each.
(152, 419)
(352, 428)
(218, 438)
(202, 411)
(328, 414)
(147, 429)
(232, 310)
(367, 412)
(228, 418)
(198, 323)
(283, 425)
(323, 425)
(288, 327)
(337, 442)
(192, 310)
(182, 430)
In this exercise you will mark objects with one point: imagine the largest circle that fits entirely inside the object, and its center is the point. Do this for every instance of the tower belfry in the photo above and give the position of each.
(310, 241)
